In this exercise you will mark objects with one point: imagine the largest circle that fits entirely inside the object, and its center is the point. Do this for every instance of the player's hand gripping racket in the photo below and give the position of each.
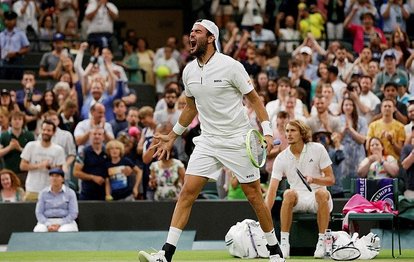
(303, 178)
(256, 147)
(347, 252)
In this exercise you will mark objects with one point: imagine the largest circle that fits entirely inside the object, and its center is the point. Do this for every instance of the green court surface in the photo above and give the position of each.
(221, 255)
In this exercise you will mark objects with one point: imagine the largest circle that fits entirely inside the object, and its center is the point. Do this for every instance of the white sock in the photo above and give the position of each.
(173, 236)
(321, 236)
(284, 237)
(271, 237)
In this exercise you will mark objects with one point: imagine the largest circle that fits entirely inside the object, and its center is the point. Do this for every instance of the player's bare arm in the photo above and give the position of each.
(165, 143)
(262, 115)
(327, 180)
(271, 193)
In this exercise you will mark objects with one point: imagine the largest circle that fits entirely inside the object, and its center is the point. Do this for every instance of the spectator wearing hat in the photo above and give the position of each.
(390, 72)
(50, 60)
(6, 100)
(57, 207)
(259, 34)
(13, 45)
(365, 33)
(38, 157)
(403, 95)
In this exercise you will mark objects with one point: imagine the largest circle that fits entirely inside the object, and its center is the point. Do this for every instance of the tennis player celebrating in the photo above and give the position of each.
(214, 87)
(311, 159)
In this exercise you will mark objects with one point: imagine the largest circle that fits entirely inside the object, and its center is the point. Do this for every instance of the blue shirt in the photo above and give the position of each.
(61, 205)
(12, 41)
(93, 164)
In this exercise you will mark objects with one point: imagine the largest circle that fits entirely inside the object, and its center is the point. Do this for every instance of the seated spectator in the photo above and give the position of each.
(38, 157)
(6, 101)
(261, 35)
(4, 120)
(12, 143)
(377, 165)
(250, 64)
(57, 207)
(167, 176)
(124, 177)
(72, 34)
(170, 114)
(323, 120)
(10, 190)
(46, 31)
(407, 161)
(90, 167)
(166, 69)
(68, 117)
(14, 45)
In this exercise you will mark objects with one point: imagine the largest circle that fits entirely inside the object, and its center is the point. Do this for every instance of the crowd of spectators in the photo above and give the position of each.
(349, 77)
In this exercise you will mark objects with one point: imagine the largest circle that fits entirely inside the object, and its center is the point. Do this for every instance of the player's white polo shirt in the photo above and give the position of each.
(218, 88)
(313, 159)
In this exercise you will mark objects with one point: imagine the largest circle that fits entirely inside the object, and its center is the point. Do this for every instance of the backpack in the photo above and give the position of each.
(247, 240)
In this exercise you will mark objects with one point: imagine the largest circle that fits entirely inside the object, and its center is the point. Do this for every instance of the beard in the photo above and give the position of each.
(201, 49)
(170, 105)
(46, 138)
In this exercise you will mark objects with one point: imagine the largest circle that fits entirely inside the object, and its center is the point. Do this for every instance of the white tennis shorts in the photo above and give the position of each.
(307, 202)
(212, 153)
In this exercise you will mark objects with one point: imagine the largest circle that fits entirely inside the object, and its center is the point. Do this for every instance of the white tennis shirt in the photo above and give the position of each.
(312, 160)
(218, 88)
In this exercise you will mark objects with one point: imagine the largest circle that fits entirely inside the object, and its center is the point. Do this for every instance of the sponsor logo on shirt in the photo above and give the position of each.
(250, 176)
(217, 81)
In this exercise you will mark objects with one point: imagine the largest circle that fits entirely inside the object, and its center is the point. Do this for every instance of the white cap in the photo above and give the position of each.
(212, 28)
(257, 20)
(306, 50)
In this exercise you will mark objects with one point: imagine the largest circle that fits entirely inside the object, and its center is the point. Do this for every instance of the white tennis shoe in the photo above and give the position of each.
(285, 247)
(320, 249)
(276, 258)
(153, 257)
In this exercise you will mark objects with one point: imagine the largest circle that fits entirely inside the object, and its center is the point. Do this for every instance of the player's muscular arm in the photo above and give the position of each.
(271, 193)
(257, 105)
(327, 180)
(189, 112)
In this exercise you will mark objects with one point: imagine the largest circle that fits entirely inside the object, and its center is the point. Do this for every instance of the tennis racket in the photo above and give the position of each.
(303, 178)
(256, 148)
(347, 252)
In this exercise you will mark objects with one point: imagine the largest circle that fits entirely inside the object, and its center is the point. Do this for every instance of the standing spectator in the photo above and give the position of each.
(360, 7)
(311, 21)
(390, 131)
(57, 207)
(172, 42)
(223, 11)
(170, 70)
(365, 33)
(288, 34)
(46, 31)
(248, 9)
(335, 19)
(90, 167)
(353, 137)
(38, 157)
(101, 14)
(67, 10)
(124, 177)
(169, 114)
(65, 140)
(14, 45)
(84, 128)
(395, 14)
(50, 60)
(391, 92)
(28, 12)
(119, 123)
(146, 60)
(10, 190)
(12, 143)
(130, 62)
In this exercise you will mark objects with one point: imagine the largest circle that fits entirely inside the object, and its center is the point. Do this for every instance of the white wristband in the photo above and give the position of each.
(267, 128)
(179, 129)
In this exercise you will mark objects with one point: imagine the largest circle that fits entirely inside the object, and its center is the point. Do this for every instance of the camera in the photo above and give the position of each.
(29, 94)
(350, 88)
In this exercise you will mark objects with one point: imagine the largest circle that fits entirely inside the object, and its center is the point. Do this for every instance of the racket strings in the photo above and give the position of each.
(257, 148)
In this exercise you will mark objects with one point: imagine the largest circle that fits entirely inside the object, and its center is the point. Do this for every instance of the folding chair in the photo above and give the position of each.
(392, 218)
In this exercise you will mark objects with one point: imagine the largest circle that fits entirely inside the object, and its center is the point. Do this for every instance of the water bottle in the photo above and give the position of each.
(328, 243)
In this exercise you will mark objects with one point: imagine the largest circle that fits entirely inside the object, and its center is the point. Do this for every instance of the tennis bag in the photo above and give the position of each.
(247, 240)
(345, 248)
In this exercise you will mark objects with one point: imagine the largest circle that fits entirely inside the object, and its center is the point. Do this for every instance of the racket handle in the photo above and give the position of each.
(277, 142)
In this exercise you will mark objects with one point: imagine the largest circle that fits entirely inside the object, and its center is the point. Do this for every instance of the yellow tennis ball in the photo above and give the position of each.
(162, 71)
